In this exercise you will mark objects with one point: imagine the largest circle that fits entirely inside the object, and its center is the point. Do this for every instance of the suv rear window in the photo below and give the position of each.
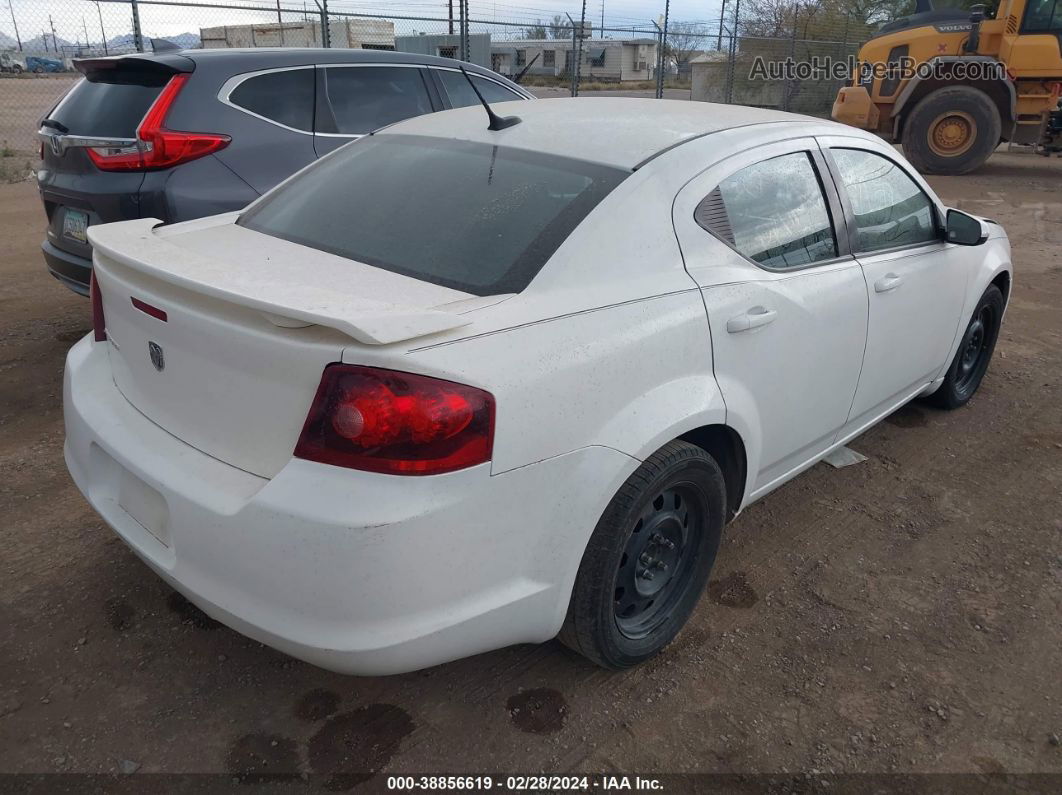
(474, 217)
(285, 97)
(110, 106)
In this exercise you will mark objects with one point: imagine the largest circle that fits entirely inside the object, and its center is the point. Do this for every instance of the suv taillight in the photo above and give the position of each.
(99, 324)
(397, 423)
(157, 147)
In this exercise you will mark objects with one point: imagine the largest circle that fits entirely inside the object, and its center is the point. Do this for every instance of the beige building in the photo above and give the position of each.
(607, 60)
(365, 34)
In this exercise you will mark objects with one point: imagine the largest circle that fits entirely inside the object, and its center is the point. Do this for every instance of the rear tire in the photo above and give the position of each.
(648, 559)
(975, 352)
(951, 131)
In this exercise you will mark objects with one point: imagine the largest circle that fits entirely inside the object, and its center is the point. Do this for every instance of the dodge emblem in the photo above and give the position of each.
(157, 358)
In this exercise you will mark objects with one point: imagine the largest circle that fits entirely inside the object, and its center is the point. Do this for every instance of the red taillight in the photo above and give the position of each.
(99, 325)
(397, 423)
(158, 147)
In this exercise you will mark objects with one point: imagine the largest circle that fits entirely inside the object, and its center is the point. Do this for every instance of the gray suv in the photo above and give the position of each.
(180, 135)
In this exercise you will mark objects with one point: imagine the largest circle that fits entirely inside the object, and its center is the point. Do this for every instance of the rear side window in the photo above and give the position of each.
(890, 209)
(285, 97)
(109, 109)
(478, 218)
(364, 98)
(773, 212)
(462, 95)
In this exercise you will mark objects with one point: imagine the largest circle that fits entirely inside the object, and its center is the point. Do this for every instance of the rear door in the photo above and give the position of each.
(273, 134)
(355, 99)
(107, 105)
(762, 233)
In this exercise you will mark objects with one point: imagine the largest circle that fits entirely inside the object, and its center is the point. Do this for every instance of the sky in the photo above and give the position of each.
(76, 19)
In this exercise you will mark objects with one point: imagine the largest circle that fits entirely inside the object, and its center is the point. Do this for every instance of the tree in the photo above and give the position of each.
(536, 31)
(686, 39)
(560, 28)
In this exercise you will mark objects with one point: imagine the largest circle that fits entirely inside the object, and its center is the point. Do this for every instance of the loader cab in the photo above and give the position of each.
(1031, 43)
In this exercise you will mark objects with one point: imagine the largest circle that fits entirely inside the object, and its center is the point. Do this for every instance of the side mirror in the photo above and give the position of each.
(965, 230)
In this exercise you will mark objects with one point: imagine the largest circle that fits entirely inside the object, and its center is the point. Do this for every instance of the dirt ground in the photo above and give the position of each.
(901, 615)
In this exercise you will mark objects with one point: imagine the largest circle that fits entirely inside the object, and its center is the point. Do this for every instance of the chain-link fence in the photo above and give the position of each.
(740, 57)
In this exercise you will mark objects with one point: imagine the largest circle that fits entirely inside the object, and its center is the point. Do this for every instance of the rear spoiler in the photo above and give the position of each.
(162, 64)
(135, 245)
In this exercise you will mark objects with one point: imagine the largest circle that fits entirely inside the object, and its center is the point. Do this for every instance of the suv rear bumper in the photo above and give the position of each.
(70, 269)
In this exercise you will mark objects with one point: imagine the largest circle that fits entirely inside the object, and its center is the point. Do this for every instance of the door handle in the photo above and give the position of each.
(890, 281)
(757, 316)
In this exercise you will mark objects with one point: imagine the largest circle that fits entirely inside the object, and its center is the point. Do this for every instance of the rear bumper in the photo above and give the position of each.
(355, 572)
(70, 269)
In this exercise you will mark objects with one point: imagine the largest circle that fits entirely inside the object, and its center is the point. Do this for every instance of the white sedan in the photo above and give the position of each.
(453, 388)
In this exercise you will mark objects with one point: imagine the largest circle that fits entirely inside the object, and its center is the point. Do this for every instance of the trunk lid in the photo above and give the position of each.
(220, 334)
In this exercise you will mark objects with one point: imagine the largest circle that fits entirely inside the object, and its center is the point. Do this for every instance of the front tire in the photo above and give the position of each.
(648, 559)
(951, 131)
(975, 352)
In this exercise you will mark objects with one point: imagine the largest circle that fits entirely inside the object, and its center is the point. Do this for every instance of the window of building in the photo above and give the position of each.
(549, 58)
(521, 57)
(448, 52)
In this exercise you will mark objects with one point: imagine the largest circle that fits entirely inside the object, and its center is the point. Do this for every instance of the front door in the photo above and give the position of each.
(786, 304)
(916, 282)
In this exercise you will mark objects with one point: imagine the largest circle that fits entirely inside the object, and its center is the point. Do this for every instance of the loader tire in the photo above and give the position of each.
(951, 131)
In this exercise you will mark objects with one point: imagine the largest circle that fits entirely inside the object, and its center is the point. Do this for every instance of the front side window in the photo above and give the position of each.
(479, 218)
(773, 212)
(284, 97)
(461, 94)
(1043, 16)
(890, 209)
(362, 99)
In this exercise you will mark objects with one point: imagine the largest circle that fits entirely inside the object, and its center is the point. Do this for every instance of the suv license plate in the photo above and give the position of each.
(75, 223)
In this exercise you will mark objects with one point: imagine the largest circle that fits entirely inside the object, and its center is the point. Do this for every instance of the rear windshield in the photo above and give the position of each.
(478, 218)
(108, 109)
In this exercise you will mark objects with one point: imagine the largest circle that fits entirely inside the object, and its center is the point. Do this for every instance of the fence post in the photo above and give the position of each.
(138, 36)
(663, 52)
(787, 86)
(579, 55)
(571, 61)
(732, 55)
(466, 33)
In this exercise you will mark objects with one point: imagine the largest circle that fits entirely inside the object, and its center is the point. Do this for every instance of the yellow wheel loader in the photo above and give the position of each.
(951, 85)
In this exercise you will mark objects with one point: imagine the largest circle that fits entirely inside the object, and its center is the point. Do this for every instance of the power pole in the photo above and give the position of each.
(451, 19)
(601, 30)
(103, 34)
(11, 8)
(84, 29)
(55, 41)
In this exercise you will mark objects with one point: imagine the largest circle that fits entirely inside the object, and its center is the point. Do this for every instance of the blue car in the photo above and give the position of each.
(36, 63)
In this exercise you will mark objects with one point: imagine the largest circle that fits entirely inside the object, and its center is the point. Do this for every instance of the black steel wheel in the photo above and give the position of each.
(648, 559)
(655, 565)
(971, 360)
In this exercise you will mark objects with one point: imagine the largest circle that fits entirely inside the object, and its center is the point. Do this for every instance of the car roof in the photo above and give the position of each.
(240, 59)
(616, 131)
